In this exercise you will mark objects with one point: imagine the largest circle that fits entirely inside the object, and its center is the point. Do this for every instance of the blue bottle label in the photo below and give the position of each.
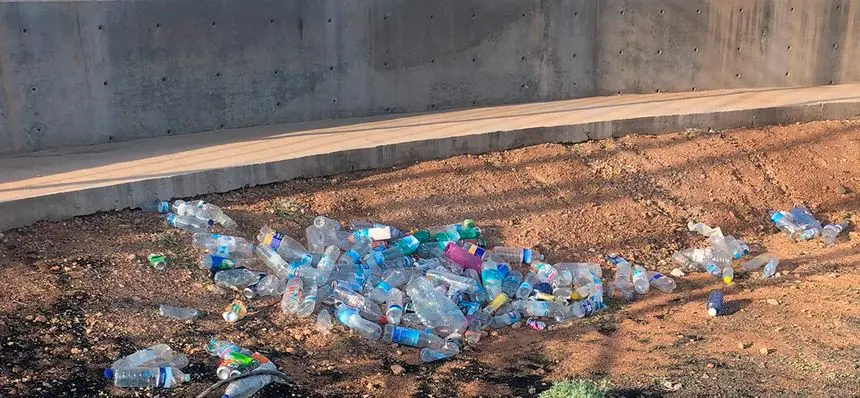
(344, 314)
(527, 256)
(353, 255)
(163, 207)
(221, 263)
(469, 307)
(587, 307)
(222, 251)
(395, 307)
(656, 276)
(405, 336)
(384, 286)
(275, 240)
(503, 269)
(171, 220)
(378, 258)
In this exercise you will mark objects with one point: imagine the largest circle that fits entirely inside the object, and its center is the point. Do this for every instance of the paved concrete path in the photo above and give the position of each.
(82, 180)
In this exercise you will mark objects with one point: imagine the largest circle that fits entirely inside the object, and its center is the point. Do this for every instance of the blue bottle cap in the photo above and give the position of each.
(108, 373)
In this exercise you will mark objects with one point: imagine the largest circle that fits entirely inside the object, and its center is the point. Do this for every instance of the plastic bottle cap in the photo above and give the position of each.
(108, 373)
(712, 311)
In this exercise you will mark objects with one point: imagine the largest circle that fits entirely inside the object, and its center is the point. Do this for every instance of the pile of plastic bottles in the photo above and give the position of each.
(799, 224)
(236, 360)
(435, 288)
(157, 366)
(635, 279)
(715, 259)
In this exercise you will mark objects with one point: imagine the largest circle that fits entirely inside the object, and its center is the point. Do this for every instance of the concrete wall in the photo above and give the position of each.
(84, 72)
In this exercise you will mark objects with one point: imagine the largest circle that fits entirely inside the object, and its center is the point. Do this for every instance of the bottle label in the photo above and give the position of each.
(476, 251)
(311, 298)
(527, 256)
(587, 307)
(344, 314)
(222, 251)
(274, 239)
(375, 233)
(353, 255)
(638, 272)
(394, 307)
(378, 258)
(163, 207)
(384, 286)
(504, 270)
(405, 336)
(526, 286)
(165, 377)
(656, 276)
(221, 263)
(469, 307)
(171, 220)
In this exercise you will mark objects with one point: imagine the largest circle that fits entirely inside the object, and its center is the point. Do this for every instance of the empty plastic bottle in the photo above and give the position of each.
(317, 232)
(715, 303)
(394, 306)
(457, 282)
(622, 284)
(189, 224)
(273, 260)
(516, 255)
(576, 309)
(541, 308)
(271, 285)
(769, 261)
(218, 215)
(285, 246)
(349, 316)
(737, 247)
(394, 279)
(223, 245)
(309, 302)
(496, 303)
(324, 322)
(810, 227)
(705, 259)
(720, 251)
(831, 231)
(545, 272)
(164, 377)
(412, 337)
(512, 283)
(184, 314)
(312, 276)
(450, 349)
(157, 355)
(237, 279)
(216, 263)
(436, 310)
(581, 269)
(244, 388)
(661, 282)
(328, 259)
(355, 300)
(157, 206)
(506, 319)
(428, 251)
(785, 222)
(461, 256)
(292, 296)
(640, 279)
(491, 279)
(728, 274)
(402, 247)
(191, 209)
(526, 287)
(704, 229)
(686, 263)
(356, 252)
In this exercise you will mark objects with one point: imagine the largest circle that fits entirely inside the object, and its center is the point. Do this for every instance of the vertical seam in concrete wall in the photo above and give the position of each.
(11, 104)
(595, 52)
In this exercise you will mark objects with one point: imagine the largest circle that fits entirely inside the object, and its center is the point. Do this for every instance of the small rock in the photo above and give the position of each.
(75, 350)
(29, 317)
(40, 319)
(532, 390)
(677, 273)
(494, 333)
(764, 351)
(772, 302)
(744, 346)
(710, 365)
(397, 370)
(131, 257)
(290, 350)
(841, 189)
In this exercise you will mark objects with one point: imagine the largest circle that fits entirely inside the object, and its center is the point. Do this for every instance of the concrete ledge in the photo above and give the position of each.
(84, 180)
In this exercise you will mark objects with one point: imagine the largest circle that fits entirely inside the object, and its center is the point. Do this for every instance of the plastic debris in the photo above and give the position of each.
(184, 314)
(235, 311)
(157, 366)
(157, 261)
(715, 303)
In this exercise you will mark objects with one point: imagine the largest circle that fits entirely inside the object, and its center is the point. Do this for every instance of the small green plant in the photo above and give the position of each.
(578, 388)
(287, 209)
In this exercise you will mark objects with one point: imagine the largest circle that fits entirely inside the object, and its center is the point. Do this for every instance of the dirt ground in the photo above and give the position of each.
(80, 292)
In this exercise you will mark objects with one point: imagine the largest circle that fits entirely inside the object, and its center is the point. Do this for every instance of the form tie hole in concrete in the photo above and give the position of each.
(474, 102)
(524, 14)
(741, 10)
(387, 110)
(474, 60)
(788, 48)
(110, 138)
(574, 84)
(164, 79)
(621, 12)
(659, 52)
(787, 74)
(574, 55)
(213, 24)
(24, 30)
(693, 89)
(792, 9)
(221, 125)
(433, 61)
(331, 68)
(698, 11)
(33, 89)
(737, 76)
(662, 12)
(278, 104)
(158, 25)
(329, 20)
(739, 49)
(695, 50)
(169, 131)
(385, 64)
(271, 21)
(431, 17)
(39, 129)
(101, 27)
(835, 45)
(385, 17)
(619, 92)
(576, 14)
(276, 71)
(217, 74)
(657, 90)
(620, 52)
(334, 100)
(433, 106)
(523, 58)
(105, 83)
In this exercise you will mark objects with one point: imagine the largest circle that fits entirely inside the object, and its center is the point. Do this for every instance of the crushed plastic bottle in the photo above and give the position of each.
(237, 279)
(527, 286)
(155, 356)
(235, 311)
(640, 279)
(402, 247)
(184, 314)
(244, 388)
(163, 377)
(412, 337)
(661, 282)
(269, 285)
(323, 324)
(769, 261)
(810, 227)
(831, 231)
(622, 285)
(704, 229)
(292, 296)
(450, 350)
(350, 317)
(216, 263)
(512, 283)
(223, 245)
(394, 306)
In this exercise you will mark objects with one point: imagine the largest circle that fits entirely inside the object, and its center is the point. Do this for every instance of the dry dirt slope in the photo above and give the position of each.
(79, 292)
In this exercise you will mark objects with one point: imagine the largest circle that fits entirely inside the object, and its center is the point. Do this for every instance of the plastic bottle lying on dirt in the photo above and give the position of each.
(188, 224)
(223, 245)
(164, 377)
(157, 206)
(324, 324)
(155, 356)
(184, 314)
(516, 255)
(769, 261)
(244, 388)
(349, 316)
(661, 282)
(237, 279)
(831, 231)
(715, 303)
(704, 229)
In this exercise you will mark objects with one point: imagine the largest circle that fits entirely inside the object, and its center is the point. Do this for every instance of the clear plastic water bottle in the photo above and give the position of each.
(640, 279)
(435, 309)
(157, 206)
(457, 282)
(506, 319)
(395, 279)
(831, 231)
(461, 256)
(728, 274)
(271, 285)
(349, 316)
(622, 284)
(450, 350)
(237, 279)
(157, 355)
(411, 337)
(576, 310)
(545, 272)
(219, 216)
(292, 296)
(769, 261)
(394, 306)
(188, 224)
(402, 247)
(528, 284)
(541, 308)
(309, 302)
(720, 251)
(312, 276)
(516, 255)
(686, 263)
(358, 250)
(164, 377)
(785, 222)
(580, 269)
(328, 259)
(704, 257)
(715, 303)
(274, 262)
(704, 229)
(355, 300)
(737, 247)
(192, 210)
(183, 314)
(244, 388)
(324, 322)
(317, 232)
(661, 282)
(512, 283)
(428, 251)
(810, 227)
(285, 246)
(223, 245)
(491, 279)
(216, 263)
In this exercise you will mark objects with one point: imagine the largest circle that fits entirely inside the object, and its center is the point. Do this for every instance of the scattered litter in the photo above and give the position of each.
(769, 261)
(799, 224)
(184, 314)
(535, 324)
(158, 261)
(236, 360)
(715, 303)
(235, 311)
(676, 272)
(156, 366)
(831, 231)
